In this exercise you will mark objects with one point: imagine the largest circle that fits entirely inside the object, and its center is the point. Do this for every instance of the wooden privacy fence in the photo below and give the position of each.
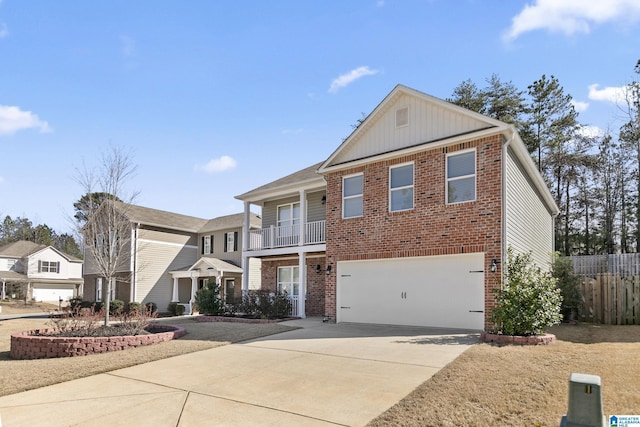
(610, 288)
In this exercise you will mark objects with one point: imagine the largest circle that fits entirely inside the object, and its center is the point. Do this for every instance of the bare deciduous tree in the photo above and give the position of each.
(107, 231)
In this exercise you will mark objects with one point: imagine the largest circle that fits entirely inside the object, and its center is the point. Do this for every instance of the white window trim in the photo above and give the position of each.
(206, 248)
(361, 195)
(412, 186)
(231, 241)
(474, 176)
(292, 221)
(279, 282)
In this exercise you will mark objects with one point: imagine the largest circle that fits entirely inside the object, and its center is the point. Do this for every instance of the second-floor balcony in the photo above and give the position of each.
(287, 235)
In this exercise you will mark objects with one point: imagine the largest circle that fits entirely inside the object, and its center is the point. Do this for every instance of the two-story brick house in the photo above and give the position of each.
(420, 204)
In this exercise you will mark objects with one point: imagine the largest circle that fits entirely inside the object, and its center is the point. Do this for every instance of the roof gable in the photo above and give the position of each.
(423, 119)
(20, 249)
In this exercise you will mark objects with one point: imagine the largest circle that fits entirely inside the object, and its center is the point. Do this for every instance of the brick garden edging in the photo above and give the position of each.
(27, 346)
(230, 319)
(500, 339)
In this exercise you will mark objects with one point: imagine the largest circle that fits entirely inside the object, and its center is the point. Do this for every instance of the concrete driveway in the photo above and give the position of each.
(321, 375)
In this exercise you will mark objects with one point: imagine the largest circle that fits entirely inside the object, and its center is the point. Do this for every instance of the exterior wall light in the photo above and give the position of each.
(494, 265)
(328, 269)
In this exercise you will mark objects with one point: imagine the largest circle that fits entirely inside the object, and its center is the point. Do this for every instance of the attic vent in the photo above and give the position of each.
(402, 117)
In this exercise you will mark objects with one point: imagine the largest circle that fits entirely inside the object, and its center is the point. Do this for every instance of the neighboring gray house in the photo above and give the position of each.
(36, 272)
(172, 256)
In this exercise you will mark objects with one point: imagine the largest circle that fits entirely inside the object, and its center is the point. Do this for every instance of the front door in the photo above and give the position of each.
(289, 283)
(229, 291)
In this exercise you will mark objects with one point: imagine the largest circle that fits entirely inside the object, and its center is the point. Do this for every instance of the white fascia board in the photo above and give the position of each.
(260, 196)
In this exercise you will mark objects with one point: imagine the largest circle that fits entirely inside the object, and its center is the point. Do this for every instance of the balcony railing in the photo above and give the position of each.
(287, 235)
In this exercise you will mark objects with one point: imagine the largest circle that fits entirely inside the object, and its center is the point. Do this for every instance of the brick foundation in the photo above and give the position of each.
(24, 345)
(500, 339)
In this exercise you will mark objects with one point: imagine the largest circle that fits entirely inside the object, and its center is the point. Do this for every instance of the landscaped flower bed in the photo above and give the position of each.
(37, 345)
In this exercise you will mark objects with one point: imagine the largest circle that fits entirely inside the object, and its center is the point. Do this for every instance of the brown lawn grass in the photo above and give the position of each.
(526, 386)
(21, 375)
(19, 307)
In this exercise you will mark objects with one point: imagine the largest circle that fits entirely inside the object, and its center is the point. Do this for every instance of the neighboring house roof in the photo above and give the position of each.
(12, 276)
(20, 249)
(161, 219)
(231, 221)
(23, 248)
(305, 178)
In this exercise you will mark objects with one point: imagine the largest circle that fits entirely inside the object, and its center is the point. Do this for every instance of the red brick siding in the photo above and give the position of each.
(431, 228)
(315, 302)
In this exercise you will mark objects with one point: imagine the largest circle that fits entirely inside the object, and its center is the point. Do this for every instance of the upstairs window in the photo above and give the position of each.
(11, 264)
(352, 196)
(48, 267)
(401, 187)
(461, 177)
(231, 241)
(207, 245)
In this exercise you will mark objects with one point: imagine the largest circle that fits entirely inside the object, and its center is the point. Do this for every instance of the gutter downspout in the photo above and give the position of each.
(134, 262)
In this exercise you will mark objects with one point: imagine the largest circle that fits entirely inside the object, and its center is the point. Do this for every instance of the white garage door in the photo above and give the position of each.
(52, 294)
(441, 291)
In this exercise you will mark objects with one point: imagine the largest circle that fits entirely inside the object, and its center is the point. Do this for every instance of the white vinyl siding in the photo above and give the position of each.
(461, 177)
(352, 187)
(155, 260)
(401, 187)
(529, 225)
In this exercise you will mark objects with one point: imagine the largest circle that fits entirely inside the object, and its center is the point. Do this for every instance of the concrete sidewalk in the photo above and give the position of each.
(321, 375)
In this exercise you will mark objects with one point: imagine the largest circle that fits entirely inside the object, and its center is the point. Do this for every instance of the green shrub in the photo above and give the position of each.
(208, 301)
(263, 304)
(133, 307)
(151, 307)
(529, 300)
(97, 306)
(75, 304)
(86, 304)
(116, 306)
(568, 282)
(175, 309)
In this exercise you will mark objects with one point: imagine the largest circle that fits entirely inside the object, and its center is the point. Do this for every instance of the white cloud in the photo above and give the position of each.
(616, 95)
(221, 164)
(571, 16)
(4, 31)
(579, 105)
(350, 77)
(13, 119)
(591, 131)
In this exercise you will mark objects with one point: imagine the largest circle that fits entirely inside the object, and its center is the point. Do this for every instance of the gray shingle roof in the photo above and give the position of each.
(20, 249)
(308, 174)
(230, 221)
(163, 219)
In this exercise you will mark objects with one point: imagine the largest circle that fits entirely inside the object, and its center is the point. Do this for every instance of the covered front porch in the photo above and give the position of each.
(187, 282)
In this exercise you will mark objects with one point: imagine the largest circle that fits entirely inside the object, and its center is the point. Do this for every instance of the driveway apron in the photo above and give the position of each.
(320, 375)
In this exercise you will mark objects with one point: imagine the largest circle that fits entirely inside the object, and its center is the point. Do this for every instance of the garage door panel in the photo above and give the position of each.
(443, 291)
(52, 294)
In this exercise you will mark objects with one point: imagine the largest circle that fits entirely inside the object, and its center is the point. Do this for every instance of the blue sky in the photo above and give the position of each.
(215, 98)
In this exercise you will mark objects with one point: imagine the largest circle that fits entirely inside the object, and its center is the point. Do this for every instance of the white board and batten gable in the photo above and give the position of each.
(403, 123)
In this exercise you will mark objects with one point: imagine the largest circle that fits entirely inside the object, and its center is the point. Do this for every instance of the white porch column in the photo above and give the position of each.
(245, 247)
(303, 218)
(302, 287)
(174, 296)
(4, 289)
(194, 289)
